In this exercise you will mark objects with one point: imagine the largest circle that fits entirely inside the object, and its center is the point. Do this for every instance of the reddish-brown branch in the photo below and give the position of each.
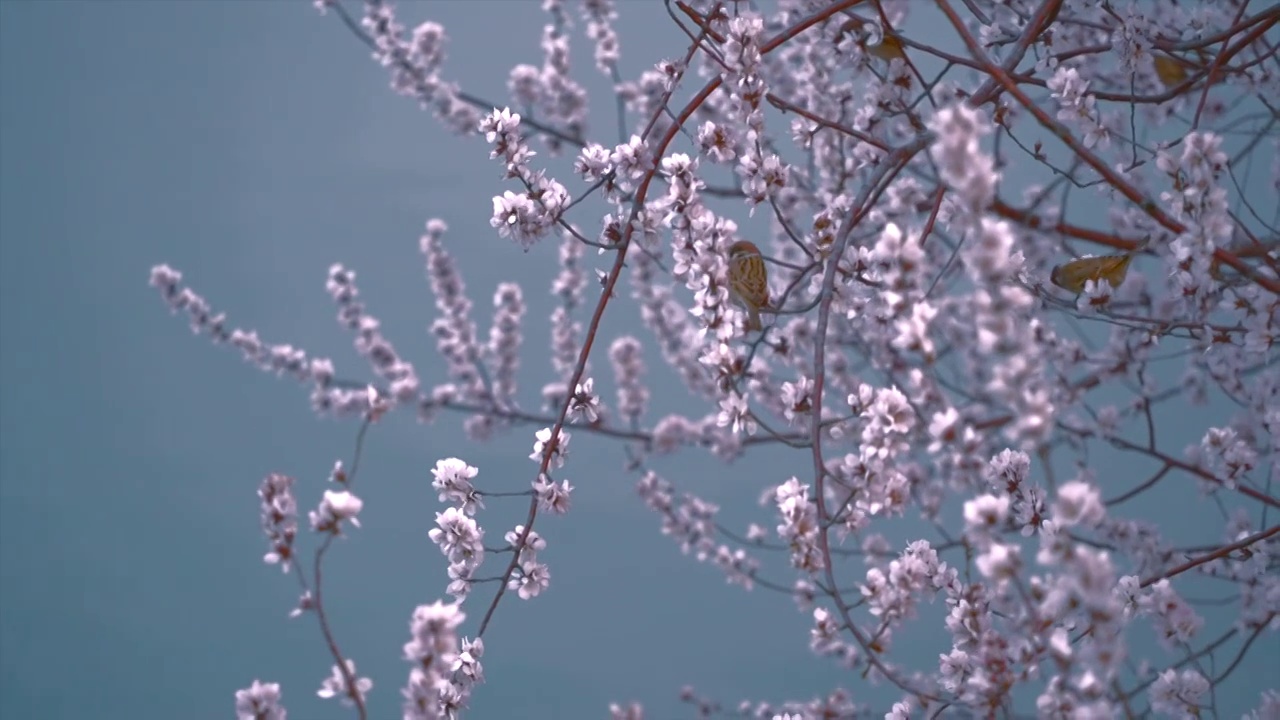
(1194, 470)
(1268, 15)
(616, 272)
(807, 23)
(701, 21)
(786, 106)
(1221, 552)
(933, 213)
(1043, 18)
(1225, 55)
(1111, 176)
(1034, 222)
(340, 662)
(316, 590)
(580, 366)
(860, 208)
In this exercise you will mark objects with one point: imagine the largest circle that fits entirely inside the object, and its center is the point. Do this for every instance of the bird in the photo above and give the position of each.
(1172, 71)
(749, 281)
(1075, 274)
(888, 49)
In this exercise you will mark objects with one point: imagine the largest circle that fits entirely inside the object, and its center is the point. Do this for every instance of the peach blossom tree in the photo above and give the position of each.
(993, 250)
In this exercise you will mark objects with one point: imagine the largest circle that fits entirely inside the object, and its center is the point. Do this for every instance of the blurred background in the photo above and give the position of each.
(251, 145)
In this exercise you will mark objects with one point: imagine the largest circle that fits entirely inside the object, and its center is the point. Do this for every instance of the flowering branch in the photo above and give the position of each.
(903, 323)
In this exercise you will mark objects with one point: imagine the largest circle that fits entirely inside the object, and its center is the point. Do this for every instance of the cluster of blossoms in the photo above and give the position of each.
(400, 378)
(279, 518)
(528, 216)
(281, 359)
(691, 522)
(626, 353)
(916, 360)
(1197, 200)
(1077, 107)
(454, 330)
(345, 684)
(414, 61)
(456, 532)
(701, 241)
(799, 525)
(444, 670)
(260, 701)
(278, 508)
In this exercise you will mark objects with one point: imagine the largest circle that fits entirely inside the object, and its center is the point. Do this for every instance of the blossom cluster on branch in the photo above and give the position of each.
(942, 342)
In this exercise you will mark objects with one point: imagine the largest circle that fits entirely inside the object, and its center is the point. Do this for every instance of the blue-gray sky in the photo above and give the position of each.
(251, 145)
